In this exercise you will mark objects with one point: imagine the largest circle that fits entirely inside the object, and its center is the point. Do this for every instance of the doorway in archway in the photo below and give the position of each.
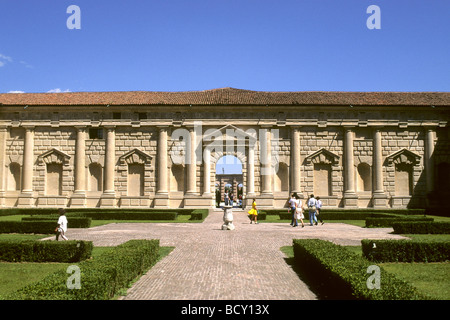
(229, 181)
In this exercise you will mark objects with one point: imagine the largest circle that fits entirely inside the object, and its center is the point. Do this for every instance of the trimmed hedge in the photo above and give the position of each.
(199, 214)
(73, 222)
(342, 274)
(101, 278)
(37, 227)
(405, 251)
(388, 222)
(45, 251)
(421, 227)
(118, 214)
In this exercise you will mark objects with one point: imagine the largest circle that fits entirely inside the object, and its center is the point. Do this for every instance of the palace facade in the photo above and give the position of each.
(160, 149)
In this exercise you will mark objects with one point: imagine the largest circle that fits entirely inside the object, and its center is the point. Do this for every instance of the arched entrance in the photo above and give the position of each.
(229, 181)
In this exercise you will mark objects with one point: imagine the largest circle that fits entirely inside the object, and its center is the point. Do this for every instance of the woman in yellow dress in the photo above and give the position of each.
(253, 212)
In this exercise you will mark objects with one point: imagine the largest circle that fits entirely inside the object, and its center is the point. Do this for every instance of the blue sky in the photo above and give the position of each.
(184, 45)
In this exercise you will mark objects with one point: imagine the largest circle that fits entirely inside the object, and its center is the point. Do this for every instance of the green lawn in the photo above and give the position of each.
(432, 279)
(14, 275)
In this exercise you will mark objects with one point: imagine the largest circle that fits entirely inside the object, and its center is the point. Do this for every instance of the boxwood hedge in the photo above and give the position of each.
(73, 222)
(405, 251)
(341, 274)
(45, 251)
(37, 227)
(100, 279)
(421, 227)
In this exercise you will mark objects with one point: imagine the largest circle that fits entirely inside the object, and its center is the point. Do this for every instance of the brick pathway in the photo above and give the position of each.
(209, 263)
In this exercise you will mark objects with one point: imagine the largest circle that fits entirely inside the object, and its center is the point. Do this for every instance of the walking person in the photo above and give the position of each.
(61, 229)
(226, 198)
(292, 209)
(319, 206)
(253, 212)
(312, 206)
(231, 199)
(299, 211)
(218, 198)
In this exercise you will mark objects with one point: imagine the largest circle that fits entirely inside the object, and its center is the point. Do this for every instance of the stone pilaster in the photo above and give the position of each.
(295, 160)
(429, 161)
(379, 198)
(26, 198)
(3, 134)
(350, 196)
(79, 195)
(108, 198)
(162, 192)
(192, 163)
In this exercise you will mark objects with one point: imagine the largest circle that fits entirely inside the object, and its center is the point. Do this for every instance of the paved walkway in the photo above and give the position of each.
(209, 263)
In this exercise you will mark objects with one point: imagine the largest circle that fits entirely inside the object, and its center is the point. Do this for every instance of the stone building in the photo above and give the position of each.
(159, 149)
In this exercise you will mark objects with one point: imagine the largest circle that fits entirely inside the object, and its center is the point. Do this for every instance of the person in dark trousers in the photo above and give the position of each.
(319, 206)
(218, 198)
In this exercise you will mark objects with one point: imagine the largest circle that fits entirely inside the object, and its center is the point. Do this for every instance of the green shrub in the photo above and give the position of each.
(45, 251)
(38, 227)
(421, 227)
(101, 278)
(388, 222)
(199, 214)
(118, 214)
(405, 251)
(73, 222)
(343, 274)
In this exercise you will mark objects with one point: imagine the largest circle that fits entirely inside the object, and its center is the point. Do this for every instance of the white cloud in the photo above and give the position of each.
(57, 90)
(4, 59)
(16, 91)
(2, 56)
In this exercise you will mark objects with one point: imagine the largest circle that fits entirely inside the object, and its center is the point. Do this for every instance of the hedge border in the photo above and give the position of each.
(45, 251)
(101, 278)
(405, 251)
(421, 227)
(343, 274)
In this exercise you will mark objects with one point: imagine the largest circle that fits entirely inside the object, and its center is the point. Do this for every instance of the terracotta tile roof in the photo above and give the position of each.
(228, 96)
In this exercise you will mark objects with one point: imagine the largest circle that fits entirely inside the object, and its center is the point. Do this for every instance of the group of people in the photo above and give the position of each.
(228, 198)
(314, 206)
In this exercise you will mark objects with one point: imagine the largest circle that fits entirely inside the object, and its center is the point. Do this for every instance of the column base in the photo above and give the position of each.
(25, 200)
(78, 200)
(108, 200)
(264, 200)
(379, 200)
(161, 200)
(195, 201)
(350, 200)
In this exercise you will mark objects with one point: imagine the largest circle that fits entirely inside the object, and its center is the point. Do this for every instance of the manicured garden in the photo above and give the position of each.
(32, 269)
(415, 269)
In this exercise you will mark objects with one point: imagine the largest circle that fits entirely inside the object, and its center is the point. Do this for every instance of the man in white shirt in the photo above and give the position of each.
(62, 224)
(312, 206)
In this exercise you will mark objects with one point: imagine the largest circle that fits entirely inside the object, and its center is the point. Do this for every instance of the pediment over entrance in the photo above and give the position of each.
(212, 134)
(54, 156)
(322, 156)
(403, 156)
(135, 156)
